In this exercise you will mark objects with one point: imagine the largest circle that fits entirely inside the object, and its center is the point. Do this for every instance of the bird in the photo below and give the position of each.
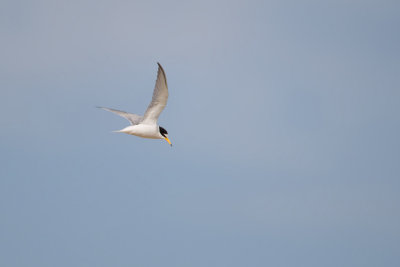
(146, 126)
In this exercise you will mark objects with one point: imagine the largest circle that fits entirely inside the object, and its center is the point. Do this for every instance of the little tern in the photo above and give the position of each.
(146, 126)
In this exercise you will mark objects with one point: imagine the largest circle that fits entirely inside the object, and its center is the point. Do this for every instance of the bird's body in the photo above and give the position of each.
(146, 126)
(143, 130)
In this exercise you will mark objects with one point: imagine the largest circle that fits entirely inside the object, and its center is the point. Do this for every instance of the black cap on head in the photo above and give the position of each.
(163, 132)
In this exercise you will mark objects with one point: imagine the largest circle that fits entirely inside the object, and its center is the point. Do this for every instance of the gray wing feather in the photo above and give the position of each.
(133, 118)
(159, 100)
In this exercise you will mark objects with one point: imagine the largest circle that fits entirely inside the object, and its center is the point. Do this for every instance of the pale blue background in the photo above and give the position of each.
(284, 117)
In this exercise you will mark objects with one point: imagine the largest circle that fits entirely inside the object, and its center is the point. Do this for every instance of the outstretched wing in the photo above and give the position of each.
(159, 100)
(133, 118)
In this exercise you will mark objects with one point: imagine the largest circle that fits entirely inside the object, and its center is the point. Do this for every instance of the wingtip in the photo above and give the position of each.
(161, 70)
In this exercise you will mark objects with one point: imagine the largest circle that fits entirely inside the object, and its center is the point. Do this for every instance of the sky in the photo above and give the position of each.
(284, 117)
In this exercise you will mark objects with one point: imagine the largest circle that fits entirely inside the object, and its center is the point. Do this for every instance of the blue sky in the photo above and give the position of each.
(284, 117)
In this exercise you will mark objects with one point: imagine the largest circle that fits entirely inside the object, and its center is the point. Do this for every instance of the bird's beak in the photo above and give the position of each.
(169, 142)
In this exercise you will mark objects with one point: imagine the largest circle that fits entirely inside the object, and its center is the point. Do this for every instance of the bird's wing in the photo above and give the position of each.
(133, 118)
(159, 100)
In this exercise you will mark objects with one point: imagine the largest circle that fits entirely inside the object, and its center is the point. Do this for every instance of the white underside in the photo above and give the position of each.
(143, 130)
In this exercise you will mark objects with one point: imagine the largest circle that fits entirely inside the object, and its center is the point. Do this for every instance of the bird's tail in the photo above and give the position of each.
(125, 130)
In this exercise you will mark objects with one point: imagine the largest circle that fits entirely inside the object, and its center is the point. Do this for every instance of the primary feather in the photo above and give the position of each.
(159, 99)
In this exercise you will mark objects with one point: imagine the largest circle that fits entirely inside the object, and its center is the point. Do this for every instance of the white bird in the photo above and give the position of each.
(146, 126)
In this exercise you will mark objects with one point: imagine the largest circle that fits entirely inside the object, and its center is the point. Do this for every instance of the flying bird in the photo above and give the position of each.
(146, 126)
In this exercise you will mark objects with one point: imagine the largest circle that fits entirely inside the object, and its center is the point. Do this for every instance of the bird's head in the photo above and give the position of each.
(164, 134)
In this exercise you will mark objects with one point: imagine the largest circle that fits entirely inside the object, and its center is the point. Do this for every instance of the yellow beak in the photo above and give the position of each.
(169, 142)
